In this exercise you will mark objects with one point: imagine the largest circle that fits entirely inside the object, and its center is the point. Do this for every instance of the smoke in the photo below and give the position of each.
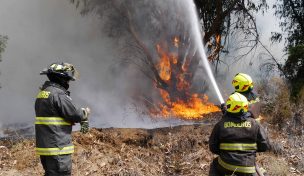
(44, 31)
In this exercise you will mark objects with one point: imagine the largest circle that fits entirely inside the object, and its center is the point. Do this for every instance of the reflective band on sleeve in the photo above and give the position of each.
(51, 121)
(55, 151)
(238, 146)
(233, 168)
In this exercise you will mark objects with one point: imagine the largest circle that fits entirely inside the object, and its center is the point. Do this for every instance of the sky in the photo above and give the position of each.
(44, 31)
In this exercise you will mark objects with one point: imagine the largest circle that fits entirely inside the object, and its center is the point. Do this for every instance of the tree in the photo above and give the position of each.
(3, 42)
(294, 68)
(224, 19)
(157, 39)
(291, 13)
(168, 39)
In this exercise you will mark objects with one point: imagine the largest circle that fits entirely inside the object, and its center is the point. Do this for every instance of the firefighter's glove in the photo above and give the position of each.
(86, 112)
(223, 108)
(84, 126)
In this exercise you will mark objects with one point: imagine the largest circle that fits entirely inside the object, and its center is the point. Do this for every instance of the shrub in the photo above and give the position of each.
(275, 99)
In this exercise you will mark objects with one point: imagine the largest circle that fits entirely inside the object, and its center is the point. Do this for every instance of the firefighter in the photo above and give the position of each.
(235, 139)
(55, 115)
(243, 84)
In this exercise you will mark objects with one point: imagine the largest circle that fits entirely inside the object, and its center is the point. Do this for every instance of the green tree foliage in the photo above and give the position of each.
(291, 13)
(294, 68)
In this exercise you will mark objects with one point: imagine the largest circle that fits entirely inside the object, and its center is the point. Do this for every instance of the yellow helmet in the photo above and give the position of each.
(237, 103)
(242, 82)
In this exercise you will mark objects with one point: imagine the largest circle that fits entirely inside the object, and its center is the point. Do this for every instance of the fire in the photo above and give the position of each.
(177, 100)
(164, 65)
(194, 108)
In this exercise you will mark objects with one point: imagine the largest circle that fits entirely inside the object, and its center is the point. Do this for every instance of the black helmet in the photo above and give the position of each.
(64, 70)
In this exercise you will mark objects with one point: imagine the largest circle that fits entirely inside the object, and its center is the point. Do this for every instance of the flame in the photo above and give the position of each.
(194, 108)
(182, 103)
(164, 65)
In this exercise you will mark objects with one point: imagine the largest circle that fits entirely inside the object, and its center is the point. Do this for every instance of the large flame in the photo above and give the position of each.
(189, 106)
(195, 108)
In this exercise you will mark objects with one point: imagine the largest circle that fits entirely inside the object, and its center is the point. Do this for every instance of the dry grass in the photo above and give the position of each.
(275, 166)
(179, 150)
(276, 104)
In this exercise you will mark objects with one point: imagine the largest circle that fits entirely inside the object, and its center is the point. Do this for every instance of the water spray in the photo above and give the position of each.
(200, 47)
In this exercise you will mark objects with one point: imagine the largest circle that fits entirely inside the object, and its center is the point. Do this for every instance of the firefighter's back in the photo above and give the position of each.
(238, 141)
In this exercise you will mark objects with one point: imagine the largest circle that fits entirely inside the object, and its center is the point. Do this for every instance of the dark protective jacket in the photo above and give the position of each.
(254, 103)
(236, 141)
(55, 115)
(251, 97)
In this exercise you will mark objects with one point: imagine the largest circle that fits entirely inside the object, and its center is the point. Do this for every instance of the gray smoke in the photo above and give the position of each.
(44, 31)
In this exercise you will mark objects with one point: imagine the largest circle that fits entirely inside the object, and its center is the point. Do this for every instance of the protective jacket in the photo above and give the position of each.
(236, 140)
(55, 115)
(251, 97)
(254, 103)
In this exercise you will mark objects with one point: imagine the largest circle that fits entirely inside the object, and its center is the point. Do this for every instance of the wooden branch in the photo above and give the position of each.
(161, 84)
(218, 21)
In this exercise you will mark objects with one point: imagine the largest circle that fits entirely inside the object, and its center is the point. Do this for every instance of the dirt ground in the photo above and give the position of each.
(180, 150)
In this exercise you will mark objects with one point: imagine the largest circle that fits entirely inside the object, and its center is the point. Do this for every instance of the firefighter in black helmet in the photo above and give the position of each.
(55, 115)
(235, 139)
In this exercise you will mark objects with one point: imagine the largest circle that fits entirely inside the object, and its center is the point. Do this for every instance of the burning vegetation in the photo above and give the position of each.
(161, 47)
(176, 98)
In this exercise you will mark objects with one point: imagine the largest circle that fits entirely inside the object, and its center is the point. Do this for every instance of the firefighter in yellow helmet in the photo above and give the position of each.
(243, 84)
(55, 115)
(235, 139)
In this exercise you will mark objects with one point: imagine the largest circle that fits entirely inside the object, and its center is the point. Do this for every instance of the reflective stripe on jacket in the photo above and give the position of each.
(55, 114)
(235, 168)
(238, 146)
(51, 121)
